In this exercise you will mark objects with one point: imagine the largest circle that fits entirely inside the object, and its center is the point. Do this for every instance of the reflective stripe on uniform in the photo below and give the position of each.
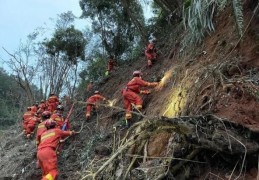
(57, 119)
(41, 126)
(47, 135)
(49, 177)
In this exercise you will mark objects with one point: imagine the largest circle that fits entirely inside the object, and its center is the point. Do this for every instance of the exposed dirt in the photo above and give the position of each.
(219, 77)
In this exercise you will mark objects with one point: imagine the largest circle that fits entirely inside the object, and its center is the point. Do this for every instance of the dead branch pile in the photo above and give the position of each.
(193, 142)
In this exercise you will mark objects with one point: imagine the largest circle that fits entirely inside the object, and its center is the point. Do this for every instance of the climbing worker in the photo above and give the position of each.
(111, 63)
(151, 54)
(130, 94)
(42, 107)
(46, 153)
(91, 103)
(53, 102)
(32, 121)
(41, 127)
(58, 116)
(26, 116)
(34, 108)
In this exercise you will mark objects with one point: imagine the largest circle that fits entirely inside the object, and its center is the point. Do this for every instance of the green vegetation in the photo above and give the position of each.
(11, 99)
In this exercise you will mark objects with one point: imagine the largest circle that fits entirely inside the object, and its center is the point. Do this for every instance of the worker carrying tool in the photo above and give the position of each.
(46, 153)
(130, 94)
(151, 54)
(91, 103)
(66, 124)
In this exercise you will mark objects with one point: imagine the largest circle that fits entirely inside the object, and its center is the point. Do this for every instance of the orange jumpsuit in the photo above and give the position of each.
(40, 130)
(34, 109)
(53, 102)
(150, 54)
(46, 153)
(42, 107)
(26, 116)
(31, 124)
(58, 118)
(91, 103)
(130, 94)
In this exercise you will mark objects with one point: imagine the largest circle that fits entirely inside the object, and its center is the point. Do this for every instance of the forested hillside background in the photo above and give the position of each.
(11, 100)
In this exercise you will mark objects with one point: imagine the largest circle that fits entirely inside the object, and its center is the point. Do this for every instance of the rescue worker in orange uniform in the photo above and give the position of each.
(41, 127)
(46, 153)
(32, 121)
(53, 102)
(111, 64)
(42, 107)
(26, 116)
(58, 116)
(91, 103)
(151, 54)
(130, 94)
(34, 108)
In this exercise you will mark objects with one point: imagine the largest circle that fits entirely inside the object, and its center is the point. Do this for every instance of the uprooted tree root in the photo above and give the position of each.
(197, 141)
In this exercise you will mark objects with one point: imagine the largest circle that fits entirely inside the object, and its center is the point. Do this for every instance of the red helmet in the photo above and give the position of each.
(46, 114)
(137, 73)
(96, 92)
(50, 124)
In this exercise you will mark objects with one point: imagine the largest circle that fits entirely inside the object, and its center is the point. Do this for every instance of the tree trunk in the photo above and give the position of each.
(141, 29)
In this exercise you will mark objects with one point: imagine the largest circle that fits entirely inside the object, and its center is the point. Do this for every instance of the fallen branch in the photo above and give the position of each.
(119, 108)
(134, 159)
(125, 146)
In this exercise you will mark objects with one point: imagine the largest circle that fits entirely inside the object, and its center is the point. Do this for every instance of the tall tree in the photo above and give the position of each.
(59, 55)
(112, 20)
(24, 70)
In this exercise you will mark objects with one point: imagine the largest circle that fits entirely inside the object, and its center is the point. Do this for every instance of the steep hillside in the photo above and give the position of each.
(200, 123)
